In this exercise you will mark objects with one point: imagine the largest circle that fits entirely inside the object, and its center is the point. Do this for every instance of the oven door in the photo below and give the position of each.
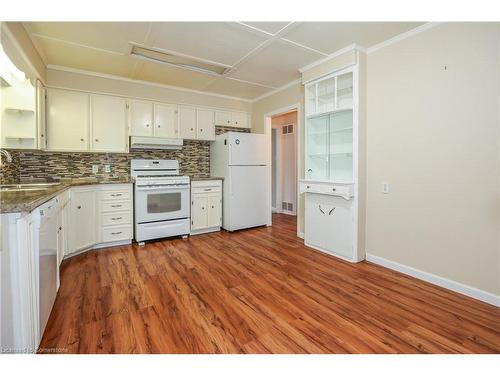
(157, 203)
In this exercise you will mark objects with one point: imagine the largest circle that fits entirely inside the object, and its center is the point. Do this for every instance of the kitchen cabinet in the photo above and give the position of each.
(234, 119)
(165, 121)
(334, 149)
(68, 120)
(82, 220)
(41, 93)
(187, 122)
(223, 118)
(141, 118)
(205, 127)
(109, 123)
(206, 206)
(115, 213)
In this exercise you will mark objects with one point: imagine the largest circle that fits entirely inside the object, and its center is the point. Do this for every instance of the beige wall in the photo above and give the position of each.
(78, 81)
(283, 99)
(20, 49)
(433, 134)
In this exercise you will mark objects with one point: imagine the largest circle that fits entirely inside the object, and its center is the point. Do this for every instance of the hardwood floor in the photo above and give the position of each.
(255, 291)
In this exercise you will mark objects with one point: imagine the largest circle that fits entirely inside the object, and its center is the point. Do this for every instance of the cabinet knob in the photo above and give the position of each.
(236, 122)
(192, 129)
(147, 125)
(308, 187)
(201, 130)
(79, 207)
(333, 189)
(228, 121)
(159, 126)
(97, 140)
(81, 139)
(203, 208)
(212, 206)
(60, 228)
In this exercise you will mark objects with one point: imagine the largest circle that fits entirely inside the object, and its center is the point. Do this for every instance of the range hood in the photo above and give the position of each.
(156, 143)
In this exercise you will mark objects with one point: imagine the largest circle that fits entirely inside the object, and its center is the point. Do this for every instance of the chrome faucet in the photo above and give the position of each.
(7, 155)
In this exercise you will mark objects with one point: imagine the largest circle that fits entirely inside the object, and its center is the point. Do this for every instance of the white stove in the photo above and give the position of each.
(161, 199)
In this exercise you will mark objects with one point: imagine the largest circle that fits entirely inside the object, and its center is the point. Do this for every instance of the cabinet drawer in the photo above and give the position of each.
(110, 195)
(116, 218)
(117, 233)
(206, 189)
(345, 191)
(112, 206)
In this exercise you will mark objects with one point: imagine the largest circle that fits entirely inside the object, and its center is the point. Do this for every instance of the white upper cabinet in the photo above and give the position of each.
(141, 118)
(68, 119)
(234, 119)
(205, 127)
(165, 121)
(187, 122)
(109, 123)
(223, 118)
(240, 119)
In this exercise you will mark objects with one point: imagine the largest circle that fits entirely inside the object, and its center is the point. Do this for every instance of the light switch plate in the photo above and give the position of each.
(385, 187)
(107, 168)
(95, 169)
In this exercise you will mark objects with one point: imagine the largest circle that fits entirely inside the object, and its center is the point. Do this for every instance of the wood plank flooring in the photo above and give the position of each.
(255, 291)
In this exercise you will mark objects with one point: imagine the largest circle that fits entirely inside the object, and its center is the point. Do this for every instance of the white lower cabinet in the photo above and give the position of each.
(99, 216)
(329, 224)
(206, 206)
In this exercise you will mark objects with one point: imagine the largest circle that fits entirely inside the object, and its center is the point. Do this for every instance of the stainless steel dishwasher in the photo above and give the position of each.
(47, 261)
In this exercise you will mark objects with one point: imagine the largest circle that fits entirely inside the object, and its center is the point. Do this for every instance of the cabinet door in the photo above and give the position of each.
(240, 120)
(214, 211)
(41, 92)
(187, 122)
(109, 123)
(141, 118)
(223, 118)
(199, 212)
(82, 223)
(205, 124)
(341, 227)
(67, 120)
(165, 124)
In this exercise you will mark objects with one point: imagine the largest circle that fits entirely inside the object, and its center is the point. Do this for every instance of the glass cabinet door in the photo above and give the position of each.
(344, 91)
(317, 147)
(311, 99)
(326, 95)
(341, 146)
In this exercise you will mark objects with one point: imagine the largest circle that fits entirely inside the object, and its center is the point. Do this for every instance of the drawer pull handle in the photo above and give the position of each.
(116, 195)
(79, 207)
(331, 211)
(115, 233)
(319, 206)
(207, 189)
(116, 218)
(116, 205)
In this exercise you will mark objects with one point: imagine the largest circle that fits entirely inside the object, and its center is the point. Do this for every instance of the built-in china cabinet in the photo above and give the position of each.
(331, 177)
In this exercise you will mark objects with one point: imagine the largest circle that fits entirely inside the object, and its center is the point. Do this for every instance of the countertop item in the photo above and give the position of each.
(18, 200)
(206, 178)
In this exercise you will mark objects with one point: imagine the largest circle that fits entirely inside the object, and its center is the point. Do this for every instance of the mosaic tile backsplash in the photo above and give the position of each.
(194, 161)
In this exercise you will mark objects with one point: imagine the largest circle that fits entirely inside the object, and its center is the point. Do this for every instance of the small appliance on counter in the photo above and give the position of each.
(161, 200)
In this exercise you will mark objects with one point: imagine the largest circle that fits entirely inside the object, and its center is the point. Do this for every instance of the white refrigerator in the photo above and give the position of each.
(241, 159)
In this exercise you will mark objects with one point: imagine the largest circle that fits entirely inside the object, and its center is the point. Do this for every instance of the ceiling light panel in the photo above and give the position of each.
(177, 60)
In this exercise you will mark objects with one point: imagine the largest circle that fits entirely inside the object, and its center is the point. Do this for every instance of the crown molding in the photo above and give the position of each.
(148, 83)
(350, 47)
(281, 88)
(403, 36)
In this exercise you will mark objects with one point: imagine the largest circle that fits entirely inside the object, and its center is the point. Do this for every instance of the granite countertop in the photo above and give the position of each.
(206, 178)
(27, 200)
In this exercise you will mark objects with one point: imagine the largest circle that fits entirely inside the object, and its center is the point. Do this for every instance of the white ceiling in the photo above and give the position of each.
(262, 56)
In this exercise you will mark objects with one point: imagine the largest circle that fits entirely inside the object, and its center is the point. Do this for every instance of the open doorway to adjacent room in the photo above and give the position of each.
(284, 163)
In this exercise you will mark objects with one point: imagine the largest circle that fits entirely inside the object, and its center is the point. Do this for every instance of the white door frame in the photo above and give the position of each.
(267, 131)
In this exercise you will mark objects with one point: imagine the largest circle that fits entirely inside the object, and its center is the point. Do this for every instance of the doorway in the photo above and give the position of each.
(284, 163)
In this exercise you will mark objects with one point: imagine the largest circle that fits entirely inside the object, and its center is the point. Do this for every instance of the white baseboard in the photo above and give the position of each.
(300, 235)
(455, 286)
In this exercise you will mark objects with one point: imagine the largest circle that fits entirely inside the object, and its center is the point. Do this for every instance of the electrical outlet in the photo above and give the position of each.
(385, 187)
(107, 168)
(95, 169)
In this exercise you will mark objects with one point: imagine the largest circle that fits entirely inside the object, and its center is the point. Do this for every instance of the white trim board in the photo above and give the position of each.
(455, 286)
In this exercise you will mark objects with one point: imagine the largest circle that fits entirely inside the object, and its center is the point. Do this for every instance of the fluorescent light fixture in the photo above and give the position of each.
(8, 71)
(179, 61)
